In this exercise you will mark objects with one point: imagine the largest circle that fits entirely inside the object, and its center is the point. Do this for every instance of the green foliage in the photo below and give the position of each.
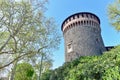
(46, 75)
(26, 34)
(104, 67)
(24, 71)
(25, 31)
(114, 14)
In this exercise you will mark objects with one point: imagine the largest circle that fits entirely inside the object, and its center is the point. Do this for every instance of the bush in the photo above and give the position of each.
(104, 67)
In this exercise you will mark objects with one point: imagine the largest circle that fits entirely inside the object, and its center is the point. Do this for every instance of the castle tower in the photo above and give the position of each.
(82, 36)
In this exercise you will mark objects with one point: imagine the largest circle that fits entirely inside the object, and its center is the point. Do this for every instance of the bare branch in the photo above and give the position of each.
(7, 52)
(20, 57)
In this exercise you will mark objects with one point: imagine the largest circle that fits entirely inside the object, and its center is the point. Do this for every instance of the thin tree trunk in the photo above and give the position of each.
(40, 70)
(13, 70)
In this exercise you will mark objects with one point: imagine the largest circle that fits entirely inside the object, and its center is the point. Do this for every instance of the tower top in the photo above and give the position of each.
(91, 15)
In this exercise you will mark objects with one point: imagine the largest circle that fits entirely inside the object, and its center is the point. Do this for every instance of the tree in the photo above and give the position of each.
(104, 67)
(24, 71)
(46, 75)
(25, 32)
(114, 14)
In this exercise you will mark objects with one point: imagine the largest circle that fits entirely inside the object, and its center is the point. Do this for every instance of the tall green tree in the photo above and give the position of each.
(24, 71)
(25, 32)
(114, 14)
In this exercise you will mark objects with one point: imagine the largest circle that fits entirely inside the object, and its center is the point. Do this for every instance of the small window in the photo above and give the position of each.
(76, 23)
(91, 16)
(73, 24)
(81, 22)
(87, 22)
(87, 15)
(77, 16)
(84, 22)
(73, 17)
(82, 15)
(69, 47)
(90, 22)
(97, 40)
(70, 19)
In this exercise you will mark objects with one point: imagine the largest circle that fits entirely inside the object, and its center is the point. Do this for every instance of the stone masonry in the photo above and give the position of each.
(82, 36)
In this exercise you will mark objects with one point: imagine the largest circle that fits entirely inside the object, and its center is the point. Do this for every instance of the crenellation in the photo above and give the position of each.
(82, 35)
(82, 22)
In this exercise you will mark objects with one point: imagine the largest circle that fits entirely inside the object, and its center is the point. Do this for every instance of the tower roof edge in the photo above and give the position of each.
(77, 14)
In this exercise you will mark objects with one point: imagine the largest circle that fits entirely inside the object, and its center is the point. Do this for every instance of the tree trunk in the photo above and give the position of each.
(40, 70)
(13, 70)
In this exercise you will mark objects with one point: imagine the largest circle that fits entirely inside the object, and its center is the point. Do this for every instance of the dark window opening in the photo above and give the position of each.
(82, 15)
(70, 19)
(73, 17)
(97, 40)
(73, 24)
(90, 22)
(77, 16)
(84, 22)
(91, 16)
(78, 22)
(81, 22)
(87, 22)
(87, 15)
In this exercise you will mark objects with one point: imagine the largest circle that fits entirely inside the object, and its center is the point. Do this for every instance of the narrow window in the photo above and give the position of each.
(84, 22)
(77, 16)
(73, 24)
(90, 22)
(82, 15)
(70, 19)
(97, 40)
(69, 47)
(76, 23)
(87, 22)
(73, 17)
(91, 16)
(81, 22)
(87, 15)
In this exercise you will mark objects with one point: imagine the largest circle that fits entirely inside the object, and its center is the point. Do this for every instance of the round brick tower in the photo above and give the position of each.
(82, 36)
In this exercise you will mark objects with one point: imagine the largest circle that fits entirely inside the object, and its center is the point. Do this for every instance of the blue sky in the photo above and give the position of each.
(61, 9)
